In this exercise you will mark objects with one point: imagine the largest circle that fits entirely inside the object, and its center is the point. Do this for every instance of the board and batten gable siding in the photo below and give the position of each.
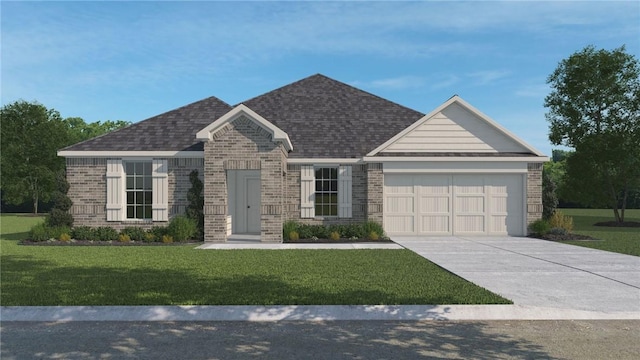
(454, 129)
(88, 179)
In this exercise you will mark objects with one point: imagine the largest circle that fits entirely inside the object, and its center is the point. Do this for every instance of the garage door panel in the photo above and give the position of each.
(454, 204)
(434, 224)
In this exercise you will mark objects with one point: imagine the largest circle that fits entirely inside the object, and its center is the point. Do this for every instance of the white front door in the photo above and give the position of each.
(252, 186)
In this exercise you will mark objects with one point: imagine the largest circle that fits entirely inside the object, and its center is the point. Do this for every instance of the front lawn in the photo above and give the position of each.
(78, 275)
(616, 239)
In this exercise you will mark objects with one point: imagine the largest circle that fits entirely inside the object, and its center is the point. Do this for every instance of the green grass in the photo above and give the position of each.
(615, 239)
(157, 275)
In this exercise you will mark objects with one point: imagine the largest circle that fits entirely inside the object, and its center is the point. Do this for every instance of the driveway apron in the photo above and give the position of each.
(538, 273)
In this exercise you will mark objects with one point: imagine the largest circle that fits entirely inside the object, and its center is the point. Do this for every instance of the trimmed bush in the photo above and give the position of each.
(167, 239)
(540, 227)
(558, 231)
(372, 226)
(59, 217)
(149, 237)
(560, 220)
(181, 228)
(105, 233)
(55, 232)
(289, 227)
(82, 233)
(64, 237)
(373, 235)
(195, 209)
(39, 233)
(334, 236)
(134, 233)
(124, 238)
(158, 232)
(293, 236)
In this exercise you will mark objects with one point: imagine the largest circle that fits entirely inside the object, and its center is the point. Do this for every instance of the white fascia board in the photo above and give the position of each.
(311, 161)
(142, 154)
(383, 159)
(206, 134)
(467, 106)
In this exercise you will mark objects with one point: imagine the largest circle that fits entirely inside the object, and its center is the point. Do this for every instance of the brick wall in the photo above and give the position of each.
(534, 192)
(375, 184)
(242, 145)
(88, 190)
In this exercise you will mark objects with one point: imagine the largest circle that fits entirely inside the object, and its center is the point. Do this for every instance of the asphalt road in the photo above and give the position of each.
(322, 340)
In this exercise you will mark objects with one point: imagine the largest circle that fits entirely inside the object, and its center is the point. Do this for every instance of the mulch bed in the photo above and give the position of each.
(618, 224)
(102, 243)
(566, 237)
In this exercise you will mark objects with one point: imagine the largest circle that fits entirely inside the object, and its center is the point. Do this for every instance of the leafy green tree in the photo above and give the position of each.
(59, 214)
(594, 107)
(30, 135)
(79, 130)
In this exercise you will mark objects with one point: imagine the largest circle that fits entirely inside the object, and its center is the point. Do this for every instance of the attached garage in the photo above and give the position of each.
(454, 204)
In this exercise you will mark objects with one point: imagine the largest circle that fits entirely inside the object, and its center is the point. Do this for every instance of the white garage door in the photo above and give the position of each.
(453, 204)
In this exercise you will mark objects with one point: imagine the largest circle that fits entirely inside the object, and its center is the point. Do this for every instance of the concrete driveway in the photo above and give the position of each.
(539, 273)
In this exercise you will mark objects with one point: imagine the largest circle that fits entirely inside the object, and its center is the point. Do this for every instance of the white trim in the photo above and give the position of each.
(383, 159)
(128, 154)
(206, 134)
(312, 161)
(467, 106)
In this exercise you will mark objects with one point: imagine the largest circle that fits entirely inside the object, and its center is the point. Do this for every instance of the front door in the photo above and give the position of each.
(253, 204)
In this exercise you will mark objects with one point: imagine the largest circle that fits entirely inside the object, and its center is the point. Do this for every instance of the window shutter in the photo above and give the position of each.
(115, 190)
(160, 206)
(307, 191)
(344, 191)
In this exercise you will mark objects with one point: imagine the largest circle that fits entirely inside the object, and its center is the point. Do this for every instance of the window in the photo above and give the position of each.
(326, 195)
(139, 189)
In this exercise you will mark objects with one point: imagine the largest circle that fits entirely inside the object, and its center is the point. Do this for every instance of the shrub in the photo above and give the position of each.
(105, 233)
(549, 197)
(158, 232)
(124, 238)
(195, 209)
(305, 231)
(560, 220)
(334, 236)
(149, 237)
(372, 226)
(373, 235)
(64, 237)
(558, 231)
(287, 228)
(181, 228)
(59, 217)
(82, 233)
(55, 232)
(540, 227)
(39, 233)
(167, 239)
(135, 233)
(293, 236)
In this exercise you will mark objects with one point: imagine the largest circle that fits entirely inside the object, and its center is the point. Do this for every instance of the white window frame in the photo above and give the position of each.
(308, 191)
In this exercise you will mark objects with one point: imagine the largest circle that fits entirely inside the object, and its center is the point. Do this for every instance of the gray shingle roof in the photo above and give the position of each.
(174, 130)
(324, 118)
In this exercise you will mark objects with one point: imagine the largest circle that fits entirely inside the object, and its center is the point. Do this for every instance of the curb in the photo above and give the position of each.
(302, 313)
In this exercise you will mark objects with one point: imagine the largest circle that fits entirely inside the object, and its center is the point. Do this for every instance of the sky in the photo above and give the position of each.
(134, 60)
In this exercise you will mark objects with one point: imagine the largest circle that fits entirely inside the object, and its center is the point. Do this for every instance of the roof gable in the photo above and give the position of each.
(455, 127)
(207, 134)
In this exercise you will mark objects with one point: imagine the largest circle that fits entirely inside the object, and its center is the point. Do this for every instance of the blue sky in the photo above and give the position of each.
(133, 60)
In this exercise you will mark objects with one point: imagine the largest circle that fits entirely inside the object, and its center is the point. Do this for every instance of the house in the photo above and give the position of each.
(315, 151)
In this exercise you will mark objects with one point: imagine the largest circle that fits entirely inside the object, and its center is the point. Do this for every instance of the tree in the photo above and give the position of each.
(79, 130)
(30, 135)
(594, 107)
(59, 215)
